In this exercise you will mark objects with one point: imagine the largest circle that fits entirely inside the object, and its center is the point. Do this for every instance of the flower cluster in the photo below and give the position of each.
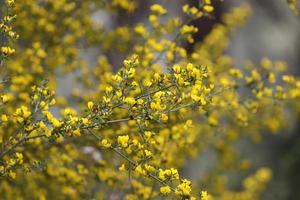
(136, 116)
(6, 29)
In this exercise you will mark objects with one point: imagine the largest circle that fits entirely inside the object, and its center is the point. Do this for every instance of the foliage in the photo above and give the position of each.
(127, 131)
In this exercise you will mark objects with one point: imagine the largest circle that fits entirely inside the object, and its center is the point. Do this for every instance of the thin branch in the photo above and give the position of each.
(24, 139)
(147, 94)
(133, 163)
(155, 91)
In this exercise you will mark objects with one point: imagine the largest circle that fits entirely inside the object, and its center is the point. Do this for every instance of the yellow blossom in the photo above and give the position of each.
(105, 143)
(123, 140)
(184, 188)
(158, 9)
(5, 98)
(76, 132)
(7, 51)
(122, 167)
(130, 100)
(164, 117)
(90, 105)
(4, 118)
(165, 190)
(204, 195)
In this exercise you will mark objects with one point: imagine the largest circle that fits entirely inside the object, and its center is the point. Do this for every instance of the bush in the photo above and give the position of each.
(126, 130)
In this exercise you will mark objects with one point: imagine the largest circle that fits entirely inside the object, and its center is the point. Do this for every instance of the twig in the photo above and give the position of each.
(24, 139)
(133, 163)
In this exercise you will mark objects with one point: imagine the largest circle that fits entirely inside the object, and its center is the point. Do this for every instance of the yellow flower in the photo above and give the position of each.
(140, 101)
(177, 69)
(7, 51)
(10, 2)
(161, 174)
(164, 117)
(184, 188)
(148, 153)
(5, 98)
(76, 132)
(19, 156)
(109, 89)
(12, 174)
(22, 114)
(192, 11)
(130, 100)
(185, 8)
(149, 168)
(158, 9)
(213, 120)
(117, 78)
(188, 29)
(105, 143)
(85, 121)
(156, 77)
(68, 111)
(48, 133)
(119, 93)
(154, 20)
(140, 170)
(56, 123)
(288, 79)
(90, 105)
(123, 140)
(4, 118)
(190, 67)
(208, 8)
(141, 30)
(130, 73)
(165, 190)
(204, 195)
(122, 168)
(272, 78)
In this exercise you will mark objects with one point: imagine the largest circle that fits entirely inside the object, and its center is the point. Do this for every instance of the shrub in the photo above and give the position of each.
(126, 130)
